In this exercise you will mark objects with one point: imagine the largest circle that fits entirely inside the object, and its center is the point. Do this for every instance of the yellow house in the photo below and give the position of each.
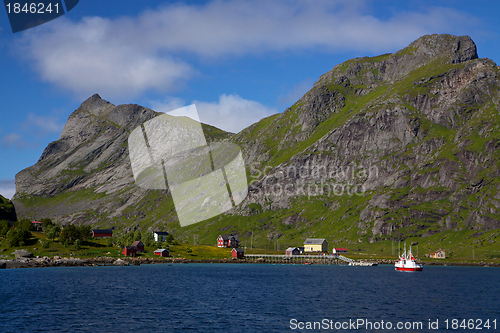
(438, 254)
(315, 245)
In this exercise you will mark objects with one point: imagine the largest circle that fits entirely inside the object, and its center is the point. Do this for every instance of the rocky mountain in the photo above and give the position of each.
(389, 147)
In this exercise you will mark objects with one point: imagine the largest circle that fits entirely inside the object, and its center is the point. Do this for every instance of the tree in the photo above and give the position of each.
(46, 222)
(147, 238)
(131, 237)
(52, 231)
(4, 227)
(18, 236)
(69, 234)
(84, 232)
(24, 224)
(169, 239)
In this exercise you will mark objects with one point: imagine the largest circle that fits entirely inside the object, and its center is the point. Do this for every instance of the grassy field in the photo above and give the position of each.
(99, 248)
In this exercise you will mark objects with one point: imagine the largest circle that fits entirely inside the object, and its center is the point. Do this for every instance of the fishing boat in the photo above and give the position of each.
(407, 262)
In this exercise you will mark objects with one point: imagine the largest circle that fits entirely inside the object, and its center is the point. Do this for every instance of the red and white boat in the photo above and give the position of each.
(407, 262)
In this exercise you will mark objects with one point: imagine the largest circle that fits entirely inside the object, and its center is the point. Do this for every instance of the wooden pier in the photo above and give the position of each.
(300, 259)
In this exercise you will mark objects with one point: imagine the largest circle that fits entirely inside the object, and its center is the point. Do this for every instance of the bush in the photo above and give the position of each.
(71, 233)
(78, 244)
(18, 237)
(4, 227)
(169, 239)
(52, 231)
(46, 222)
(147, 238)
(45, 243)
(24, 224)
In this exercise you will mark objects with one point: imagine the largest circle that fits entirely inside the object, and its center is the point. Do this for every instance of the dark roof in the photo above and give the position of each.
(102, 231)
(161, 233)
(238, 250)
(314, 241)
(228, 236)
(131, 248)
(136, 243)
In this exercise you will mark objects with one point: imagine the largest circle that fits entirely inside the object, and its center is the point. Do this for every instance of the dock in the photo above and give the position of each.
(301, 259)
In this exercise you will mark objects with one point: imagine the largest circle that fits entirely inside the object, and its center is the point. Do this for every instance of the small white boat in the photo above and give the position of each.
(363, 263)
(407, 262)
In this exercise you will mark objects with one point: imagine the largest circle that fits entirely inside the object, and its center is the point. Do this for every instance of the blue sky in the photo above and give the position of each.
(238, 61)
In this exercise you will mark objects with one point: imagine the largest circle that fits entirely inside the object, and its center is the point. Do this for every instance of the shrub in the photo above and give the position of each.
(18, 237)
(46, 222)
(45, 243)
(4, 227)
(52, 231)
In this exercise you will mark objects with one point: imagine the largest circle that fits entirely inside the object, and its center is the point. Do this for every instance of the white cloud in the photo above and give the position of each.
(127, 56)
(31, 130)
(43, 124)
(14, 140)
(297, 92)
(7, 188)
(231, 113)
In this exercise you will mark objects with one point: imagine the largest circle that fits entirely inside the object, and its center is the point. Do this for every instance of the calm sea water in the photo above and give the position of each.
(242, 298)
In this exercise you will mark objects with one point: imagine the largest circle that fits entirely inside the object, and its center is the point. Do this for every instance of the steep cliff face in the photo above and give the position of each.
(381, 147)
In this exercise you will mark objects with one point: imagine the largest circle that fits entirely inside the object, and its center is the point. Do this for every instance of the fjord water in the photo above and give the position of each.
(239, 297)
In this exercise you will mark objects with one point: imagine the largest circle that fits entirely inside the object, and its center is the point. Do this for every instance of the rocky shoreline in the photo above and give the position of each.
(57, 261)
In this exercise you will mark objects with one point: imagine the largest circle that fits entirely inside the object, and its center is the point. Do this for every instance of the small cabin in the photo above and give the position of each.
(162, 252)
(228, 240)
(36, 225)
(160, 236)
(339, 250)
(130, 251)
(237, 253)
(315, 245)
(292, 251)
(439, 254)
(139, 245)
(99, 233)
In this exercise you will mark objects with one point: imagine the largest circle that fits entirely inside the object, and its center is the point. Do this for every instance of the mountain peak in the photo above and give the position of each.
(456, 49)
(95, 105)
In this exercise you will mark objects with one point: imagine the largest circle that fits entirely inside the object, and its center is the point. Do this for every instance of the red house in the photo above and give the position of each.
(139, 245)
(37, 225)
(162, 252)
(130, 251)
(228, 241)
(237, 253)
(102, 233)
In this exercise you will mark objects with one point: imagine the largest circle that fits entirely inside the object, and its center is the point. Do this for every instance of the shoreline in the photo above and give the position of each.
(129, 261)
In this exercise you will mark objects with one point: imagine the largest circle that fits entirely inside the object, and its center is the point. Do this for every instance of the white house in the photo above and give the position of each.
(160, 236)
